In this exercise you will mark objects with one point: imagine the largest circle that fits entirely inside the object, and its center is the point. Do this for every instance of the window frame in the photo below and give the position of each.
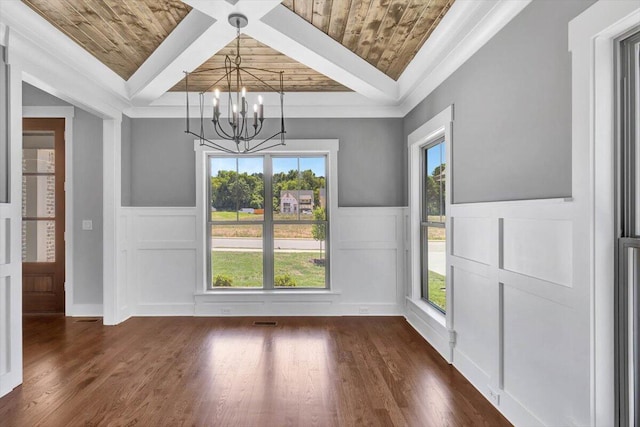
(425, 224)
(434, 128)
(293, 148)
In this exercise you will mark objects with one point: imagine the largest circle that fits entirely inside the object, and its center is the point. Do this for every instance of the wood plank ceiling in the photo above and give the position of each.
(385, 33)
(120, 33)
(297, 77)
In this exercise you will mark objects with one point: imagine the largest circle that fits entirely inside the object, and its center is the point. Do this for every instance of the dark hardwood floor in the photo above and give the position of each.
(328, 371)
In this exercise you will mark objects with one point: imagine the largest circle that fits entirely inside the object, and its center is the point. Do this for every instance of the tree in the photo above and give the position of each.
(319, 231)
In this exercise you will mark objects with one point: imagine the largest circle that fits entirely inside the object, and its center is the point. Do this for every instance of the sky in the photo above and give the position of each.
(252, 165)
(435, 157)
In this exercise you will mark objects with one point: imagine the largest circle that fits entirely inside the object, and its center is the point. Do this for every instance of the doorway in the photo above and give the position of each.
(43, 216)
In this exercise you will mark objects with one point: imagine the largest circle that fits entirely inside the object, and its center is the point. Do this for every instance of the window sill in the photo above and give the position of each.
(429, 311)
(218, 292)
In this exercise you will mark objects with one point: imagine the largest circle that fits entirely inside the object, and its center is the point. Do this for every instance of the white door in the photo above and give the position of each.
(10, 229)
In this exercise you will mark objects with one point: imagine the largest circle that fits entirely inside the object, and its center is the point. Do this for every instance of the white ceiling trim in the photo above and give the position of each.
(43, 69)
(297, 105)
(468, 26)
(192, 42)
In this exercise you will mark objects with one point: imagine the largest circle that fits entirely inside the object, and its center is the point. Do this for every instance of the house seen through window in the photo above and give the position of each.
(267, 222)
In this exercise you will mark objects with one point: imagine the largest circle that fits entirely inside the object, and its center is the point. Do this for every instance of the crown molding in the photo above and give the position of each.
(297, 105)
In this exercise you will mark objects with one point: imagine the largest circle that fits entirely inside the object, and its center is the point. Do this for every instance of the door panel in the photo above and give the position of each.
(43, 216)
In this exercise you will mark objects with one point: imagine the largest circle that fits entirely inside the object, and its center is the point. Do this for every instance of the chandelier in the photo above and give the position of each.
(239, 125)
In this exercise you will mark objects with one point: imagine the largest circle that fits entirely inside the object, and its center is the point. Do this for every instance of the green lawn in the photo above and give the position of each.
(234, 216)
(245, 268)
(436, 289)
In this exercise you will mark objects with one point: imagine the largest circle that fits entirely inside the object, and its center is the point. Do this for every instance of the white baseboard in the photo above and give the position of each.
(85, 310)
(165, 310)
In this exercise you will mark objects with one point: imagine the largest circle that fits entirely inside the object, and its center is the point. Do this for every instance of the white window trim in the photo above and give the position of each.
(325, 147)
(436, 128)
(591, 42)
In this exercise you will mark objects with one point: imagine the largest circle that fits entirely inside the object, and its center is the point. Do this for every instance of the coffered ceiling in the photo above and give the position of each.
(297, 77)
(123, 34)
(361, 58)
(385, 33)
(120, 33)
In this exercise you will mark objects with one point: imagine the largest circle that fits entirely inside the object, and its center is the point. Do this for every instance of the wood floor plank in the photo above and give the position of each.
(179, 371)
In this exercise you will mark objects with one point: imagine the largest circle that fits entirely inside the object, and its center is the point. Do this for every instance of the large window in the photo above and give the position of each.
(433, 234)
(267, 222)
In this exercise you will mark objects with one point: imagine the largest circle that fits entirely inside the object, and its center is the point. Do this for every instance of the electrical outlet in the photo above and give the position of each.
(87, 224)
(494, 396)
(364, 310)
(226, 311)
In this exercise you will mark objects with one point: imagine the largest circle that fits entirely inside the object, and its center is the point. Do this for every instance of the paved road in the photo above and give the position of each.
(284, 244)
(437, 260)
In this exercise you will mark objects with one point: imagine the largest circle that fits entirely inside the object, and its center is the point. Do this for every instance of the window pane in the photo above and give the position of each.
(38, 160)
(38, 241)
(312, 184)
(39, 196)
(436, 267)
(435, 182)
(223, 181)
(286, 183)
(299, 255)
(249, 189)
(299, 187)
(236, 256)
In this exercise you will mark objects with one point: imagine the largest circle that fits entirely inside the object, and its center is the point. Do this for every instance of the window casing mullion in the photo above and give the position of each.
(268, 253)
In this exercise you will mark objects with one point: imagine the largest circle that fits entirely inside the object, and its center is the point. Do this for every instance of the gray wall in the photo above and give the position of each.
(512, 106)
(369, 160)
(87, 196)
(4, 132)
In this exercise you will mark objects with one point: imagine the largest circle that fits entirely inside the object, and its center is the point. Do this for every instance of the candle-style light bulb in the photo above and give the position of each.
(255, 115)
(261, 108)
(216, 109)
(235, 114)
(216, 93)
(243, 108)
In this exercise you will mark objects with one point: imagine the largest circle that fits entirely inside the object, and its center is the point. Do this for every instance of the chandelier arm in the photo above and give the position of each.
(224, 135)
(211, 144)
(275, 144)
(255, 148)
(186, 82)
(260, 80)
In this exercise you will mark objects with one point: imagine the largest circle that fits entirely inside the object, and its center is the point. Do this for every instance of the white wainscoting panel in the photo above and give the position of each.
(539, 355)
(471, 291)
(471, 238)
(513, 299)
(161, 249)
(4, 243)
(539, 248)
(158, 283)
(5, 300)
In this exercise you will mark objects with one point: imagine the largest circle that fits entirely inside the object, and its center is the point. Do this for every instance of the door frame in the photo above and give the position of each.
(66, 113)
(591, 43)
